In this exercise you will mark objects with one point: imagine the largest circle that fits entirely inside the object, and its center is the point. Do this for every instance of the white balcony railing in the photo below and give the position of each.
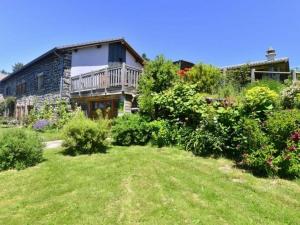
(121, 77)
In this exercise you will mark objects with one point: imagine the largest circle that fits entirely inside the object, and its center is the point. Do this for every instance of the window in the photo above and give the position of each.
(40, 80)
(21, 88)
(117, 53)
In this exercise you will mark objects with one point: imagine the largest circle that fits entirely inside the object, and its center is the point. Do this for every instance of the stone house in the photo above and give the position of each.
(99, 76)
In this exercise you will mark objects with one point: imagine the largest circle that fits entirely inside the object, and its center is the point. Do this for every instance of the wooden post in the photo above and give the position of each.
(123, 71)
(294, 75)
(106, 79)
(252, 75)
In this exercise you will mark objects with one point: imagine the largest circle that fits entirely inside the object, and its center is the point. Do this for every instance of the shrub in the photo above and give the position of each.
(84, 136)
(206, 77)
(239, 76)
(290, 96)
(252, 137)
(289, 160)
(280, 125)
(261, 161)
(272, 84)
(259, 101)
(163, 134)
(181, 103)
(204, 143)
(19, 149)
(130, 129)
(159, 75)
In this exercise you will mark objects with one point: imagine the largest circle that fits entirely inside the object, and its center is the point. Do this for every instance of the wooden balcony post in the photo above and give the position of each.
(123, 73)
(252, 75)
(106, 80)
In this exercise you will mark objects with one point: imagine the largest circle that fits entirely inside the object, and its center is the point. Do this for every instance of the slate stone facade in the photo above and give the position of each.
(55, 69)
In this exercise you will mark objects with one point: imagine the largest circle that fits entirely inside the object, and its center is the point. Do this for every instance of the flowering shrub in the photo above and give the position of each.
(262, 161)
(41, 125)
(290, 96)
(280, 125)
(259, 101)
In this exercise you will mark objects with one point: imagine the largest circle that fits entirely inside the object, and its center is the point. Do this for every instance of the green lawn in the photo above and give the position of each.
(144, 185)
(48, 135)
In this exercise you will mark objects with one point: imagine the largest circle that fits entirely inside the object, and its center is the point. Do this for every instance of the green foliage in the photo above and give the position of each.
(289, 160)
(272, 84)
(259, 101)
(84, 136)
(130, 129)
(206, 77)
(290, 96)
(57, 114)
(261, 161)
(240, 76)
(19, 149)
(17, 66)
(159, 74)
(180, 103)
(163, 134)
(280, 125)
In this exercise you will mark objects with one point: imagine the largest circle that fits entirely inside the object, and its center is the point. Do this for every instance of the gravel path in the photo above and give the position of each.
(53, 144)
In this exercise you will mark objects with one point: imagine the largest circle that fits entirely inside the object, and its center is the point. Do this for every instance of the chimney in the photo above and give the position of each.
(271, 53)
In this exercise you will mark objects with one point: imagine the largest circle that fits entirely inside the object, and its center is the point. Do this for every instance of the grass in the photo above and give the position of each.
(143, 185)
(47, 135)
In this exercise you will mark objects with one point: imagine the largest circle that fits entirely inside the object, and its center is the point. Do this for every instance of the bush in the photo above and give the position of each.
(259, 101)
(290, 96)
(159, 75)
(272, 84)
(206, 77)
(261, 161)
(289, 160)
(280, 125)
(204, 143)
(181, 103)
(130, 129)
(163, 134)
(84, 136)
(19, 149)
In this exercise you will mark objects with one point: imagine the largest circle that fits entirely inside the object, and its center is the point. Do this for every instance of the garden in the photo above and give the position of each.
(204, 148)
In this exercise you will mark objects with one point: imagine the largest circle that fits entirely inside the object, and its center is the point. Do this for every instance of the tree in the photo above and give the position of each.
(159, 74)
(4, 72)
(17, 67)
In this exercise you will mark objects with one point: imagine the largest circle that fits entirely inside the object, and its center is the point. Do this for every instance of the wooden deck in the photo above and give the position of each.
(108, 81)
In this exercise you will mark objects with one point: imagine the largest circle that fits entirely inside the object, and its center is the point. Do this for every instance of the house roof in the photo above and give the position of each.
(80, 45)
(258, 63)
(2, 75)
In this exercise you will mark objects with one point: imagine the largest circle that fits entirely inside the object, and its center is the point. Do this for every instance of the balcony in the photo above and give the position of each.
(111, 80)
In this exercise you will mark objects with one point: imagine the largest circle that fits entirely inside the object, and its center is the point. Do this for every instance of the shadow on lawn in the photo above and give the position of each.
(81, 151)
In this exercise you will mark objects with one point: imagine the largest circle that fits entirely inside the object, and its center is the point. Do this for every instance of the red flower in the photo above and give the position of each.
(292, 148)
(295, 136)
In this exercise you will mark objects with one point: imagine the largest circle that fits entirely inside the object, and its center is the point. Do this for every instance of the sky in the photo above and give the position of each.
(218, 32)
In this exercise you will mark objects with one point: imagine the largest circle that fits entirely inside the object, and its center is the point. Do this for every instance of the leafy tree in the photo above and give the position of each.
(159, 74)
(206, 77)
(17, 67)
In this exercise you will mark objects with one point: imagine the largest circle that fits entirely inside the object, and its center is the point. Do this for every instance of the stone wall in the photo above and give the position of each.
(56, 75)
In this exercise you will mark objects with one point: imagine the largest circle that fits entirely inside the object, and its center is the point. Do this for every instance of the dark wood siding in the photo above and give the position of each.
(117, 53)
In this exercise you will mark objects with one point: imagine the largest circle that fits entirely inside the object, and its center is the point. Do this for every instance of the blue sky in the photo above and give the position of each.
(219, 32)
